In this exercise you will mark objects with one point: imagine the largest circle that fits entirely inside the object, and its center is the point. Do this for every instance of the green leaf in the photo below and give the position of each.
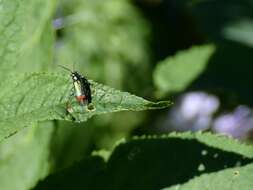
(240, 31)
(213, 25)
(71, 143)
(39, 55)
(229, 179)
(40, 97)
(21, 31)
(175, 73)
(86, 174)
(24, 157)
(218, 141)
(11, 17)
(152, 162)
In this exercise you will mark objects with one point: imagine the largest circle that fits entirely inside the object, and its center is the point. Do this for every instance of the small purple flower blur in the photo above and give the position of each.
(237, 124)
(193, 112)
(58, 23)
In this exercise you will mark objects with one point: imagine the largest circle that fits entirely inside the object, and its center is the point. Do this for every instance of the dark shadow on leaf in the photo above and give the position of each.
(148, 164)
(83, 175)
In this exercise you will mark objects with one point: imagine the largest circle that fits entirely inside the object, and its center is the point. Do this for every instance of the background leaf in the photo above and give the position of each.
(23, 24)
(220, 17)
(170, 75)
(218, 141)
(240, 31)
(229, 179)
(150, 163)
(24, 158)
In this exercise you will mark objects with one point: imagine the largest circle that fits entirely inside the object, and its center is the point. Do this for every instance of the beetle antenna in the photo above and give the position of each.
(66, 68)
(74, 64)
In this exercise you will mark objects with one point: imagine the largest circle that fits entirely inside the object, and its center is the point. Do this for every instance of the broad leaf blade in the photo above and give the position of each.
(229, 179)
(222, 142)
(240, 31)
(40, 97)
(175, 73)
(24, 157)
(21, 29)
(153, 162)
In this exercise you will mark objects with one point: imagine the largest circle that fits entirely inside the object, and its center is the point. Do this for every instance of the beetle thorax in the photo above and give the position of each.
(74, 77)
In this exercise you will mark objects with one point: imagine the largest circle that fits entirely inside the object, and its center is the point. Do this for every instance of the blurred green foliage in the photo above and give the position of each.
(24, 157)
(122, 44)
(173, 69)
(108, 41)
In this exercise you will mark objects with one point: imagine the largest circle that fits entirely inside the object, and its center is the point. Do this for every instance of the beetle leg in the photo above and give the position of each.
(72, 92)
(69, 111)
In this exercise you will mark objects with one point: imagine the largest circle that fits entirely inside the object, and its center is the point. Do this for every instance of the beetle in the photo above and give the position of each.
(81, 86)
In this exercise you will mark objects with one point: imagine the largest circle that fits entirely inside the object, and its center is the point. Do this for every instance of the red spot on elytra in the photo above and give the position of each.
(81, 99)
